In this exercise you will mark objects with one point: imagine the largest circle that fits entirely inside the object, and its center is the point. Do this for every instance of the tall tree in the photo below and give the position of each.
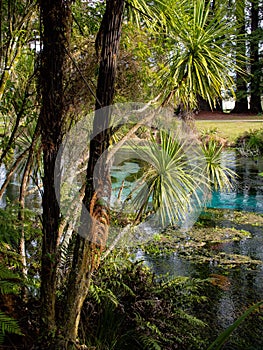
(56, 18)
(255, 61)
(197, 64)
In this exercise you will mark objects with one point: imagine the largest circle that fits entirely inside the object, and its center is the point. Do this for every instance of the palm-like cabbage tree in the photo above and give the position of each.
(178, 177)
(199, 62)
(173, 181)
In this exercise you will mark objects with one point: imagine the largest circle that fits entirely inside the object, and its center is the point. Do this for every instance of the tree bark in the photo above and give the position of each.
(56, 18)
(93, 233)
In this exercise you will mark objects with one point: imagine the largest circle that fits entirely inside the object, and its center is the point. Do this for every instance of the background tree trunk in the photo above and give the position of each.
(241, 105)
(256, 65)
(56, 17)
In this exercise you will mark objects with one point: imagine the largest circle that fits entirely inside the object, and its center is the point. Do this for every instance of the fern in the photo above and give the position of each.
(149, 343)
(7, 278)
(8, 325)
(8, 285)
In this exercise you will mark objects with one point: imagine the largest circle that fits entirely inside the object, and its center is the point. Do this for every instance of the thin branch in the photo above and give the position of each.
(145, 120)
(82, 76)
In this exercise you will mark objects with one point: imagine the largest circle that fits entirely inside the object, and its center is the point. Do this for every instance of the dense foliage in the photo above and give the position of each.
(60, 60)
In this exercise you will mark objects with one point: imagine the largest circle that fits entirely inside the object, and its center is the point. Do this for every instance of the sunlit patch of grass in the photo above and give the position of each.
(229, 130)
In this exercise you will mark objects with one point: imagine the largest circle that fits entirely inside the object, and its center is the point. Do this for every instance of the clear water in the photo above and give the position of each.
(245, 283)
(247, 194)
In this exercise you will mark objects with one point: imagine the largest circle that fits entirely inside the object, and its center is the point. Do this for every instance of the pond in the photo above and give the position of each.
(247, 193)
(243, 282)
(239, 284)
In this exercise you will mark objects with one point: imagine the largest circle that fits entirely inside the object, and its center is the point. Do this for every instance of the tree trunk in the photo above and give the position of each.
(241, 105)
(22, 196)
(256, 65)
(93, 232)
(56, 17)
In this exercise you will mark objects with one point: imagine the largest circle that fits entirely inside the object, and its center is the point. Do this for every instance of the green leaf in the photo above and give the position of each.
(222, 338)
(8, 325)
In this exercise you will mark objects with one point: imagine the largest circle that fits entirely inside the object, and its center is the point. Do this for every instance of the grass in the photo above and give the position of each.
(229, 130)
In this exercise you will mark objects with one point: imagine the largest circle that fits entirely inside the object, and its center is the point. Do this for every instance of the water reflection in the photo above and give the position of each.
(247, 194)
(11, 194)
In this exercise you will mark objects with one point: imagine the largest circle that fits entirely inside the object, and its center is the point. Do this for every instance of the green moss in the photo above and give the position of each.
(206, 240)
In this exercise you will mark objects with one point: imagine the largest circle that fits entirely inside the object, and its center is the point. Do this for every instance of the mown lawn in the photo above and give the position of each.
(229, 130)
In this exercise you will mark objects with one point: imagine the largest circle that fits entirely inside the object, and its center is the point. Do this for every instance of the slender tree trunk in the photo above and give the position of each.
(56, 18)
(13, 135)
(255, 64)
(22, 196)
(93, 233)
(241, 86)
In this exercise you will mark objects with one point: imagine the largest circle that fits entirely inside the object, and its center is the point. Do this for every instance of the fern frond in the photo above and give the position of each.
(149, 343)
(8, 325)
(8, 281)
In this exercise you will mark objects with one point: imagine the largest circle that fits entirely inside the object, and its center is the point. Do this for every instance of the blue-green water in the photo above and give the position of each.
(245, 284)
(247, 194)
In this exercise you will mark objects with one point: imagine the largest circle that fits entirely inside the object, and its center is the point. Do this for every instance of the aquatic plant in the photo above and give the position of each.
(250, 144)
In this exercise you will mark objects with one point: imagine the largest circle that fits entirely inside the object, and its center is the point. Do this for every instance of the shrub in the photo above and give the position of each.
(250, 143)
(128, 308)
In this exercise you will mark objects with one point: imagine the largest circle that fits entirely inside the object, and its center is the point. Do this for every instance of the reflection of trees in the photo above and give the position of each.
(249, 182)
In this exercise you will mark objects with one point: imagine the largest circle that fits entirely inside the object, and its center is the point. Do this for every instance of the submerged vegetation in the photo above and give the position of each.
(205, 242)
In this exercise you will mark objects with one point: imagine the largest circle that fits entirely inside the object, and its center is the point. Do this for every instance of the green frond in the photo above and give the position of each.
(8, 281)
(149, 343)
(171, 180)
(199, 62)
(8, 325)
(223, 337)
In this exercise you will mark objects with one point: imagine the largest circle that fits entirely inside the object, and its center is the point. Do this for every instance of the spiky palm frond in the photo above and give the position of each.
(146, 12)
(171, 182)
(199, 61)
